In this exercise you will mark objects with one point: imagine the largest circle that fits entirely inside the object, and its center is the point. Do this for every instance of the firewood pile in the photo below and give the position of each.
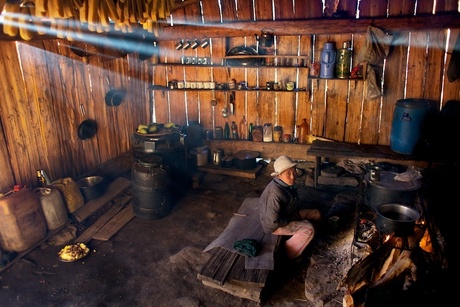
(401, 263)
(70, 18)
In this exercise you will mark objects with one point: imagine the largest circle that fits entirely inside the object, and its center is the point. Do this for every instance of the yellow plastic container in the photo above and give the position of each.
(22, 221)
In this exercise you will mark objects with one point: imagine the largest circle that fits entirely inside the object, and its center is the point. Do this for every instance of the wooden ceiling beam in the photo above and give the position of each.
(314, 26)
(321, 26)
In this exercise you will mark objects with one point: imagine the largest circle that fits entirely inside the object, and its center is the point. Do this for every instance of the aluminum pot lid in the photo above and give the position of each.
(388, 181)
(246, 155)
(412, 103)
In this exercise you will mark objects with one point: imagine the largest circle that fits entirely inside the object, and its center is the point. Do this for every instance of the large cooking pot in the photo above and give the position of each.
(389, 190)
(396, 219)
(245, 159)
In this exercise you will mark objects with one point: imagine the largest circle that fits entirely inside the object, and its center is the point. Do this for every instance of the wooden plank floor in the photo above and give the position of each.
(226, 271)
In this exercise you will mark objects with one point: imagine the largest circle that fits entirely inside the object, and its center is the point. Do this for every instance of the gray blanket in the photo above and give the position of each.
(245, 224)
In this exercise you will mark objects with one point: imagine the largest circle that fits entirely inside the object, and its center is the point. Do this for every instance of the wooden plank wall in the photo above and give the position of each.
(335, 109)
(47, 92)
(45, 87)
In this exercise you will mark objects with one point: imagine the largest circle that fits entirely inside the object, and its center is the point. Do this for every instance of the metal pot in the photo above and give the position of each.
(266, 38)
(388, 190)
(91, 187)
(201, 155)
(245, 159)
(396, 219)
(217, 157)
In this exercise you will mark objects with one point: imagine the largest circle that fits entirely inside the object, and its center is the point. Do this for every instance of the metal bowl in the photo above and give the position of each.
(91, 187)
(247, 60)
(396, 219)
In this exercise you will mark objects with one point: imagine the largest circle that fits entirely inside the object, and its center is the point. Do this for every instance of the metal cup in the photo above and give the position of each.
(205, 43)
(195, 44)
(374, 173)
(179, 45)
(186, 45)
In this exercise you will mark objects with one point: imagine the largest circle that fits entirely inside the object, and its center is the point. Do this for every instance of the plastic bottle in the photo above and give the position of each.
(243, 131)
(303, 132)
(343, 65)
(234, 131)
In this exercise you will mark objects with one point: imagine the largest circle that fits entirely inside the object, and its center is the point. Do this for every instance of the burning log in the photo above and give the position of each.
(387, 263)
(361, 273)
(402, 265)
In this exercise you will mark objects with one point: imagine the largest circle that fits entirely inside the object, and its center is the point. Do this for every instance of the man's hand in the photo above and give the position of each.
(312, 215)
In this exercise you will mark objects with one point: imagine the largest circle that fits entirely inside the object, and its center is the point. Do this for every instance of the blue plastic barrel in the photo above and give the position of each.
(408, 118)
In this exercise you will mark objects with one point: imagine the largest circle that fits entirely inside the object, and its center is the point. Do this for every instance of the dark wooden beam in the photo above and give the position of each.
(294, 27)
(314, 26)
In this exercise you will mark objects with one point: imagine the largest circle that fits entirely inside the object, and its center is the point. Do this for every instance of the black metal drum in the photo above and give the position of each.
(150, 186)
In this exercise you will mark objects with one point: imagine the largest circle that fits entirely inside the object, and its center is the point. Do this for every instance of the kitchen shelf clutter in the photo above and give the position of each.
(166, 88)
(239, 61)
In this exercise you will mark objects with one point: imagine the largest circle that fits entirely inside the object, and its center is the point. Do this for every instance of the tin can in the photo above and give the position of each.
(286, 138)
(219, 133)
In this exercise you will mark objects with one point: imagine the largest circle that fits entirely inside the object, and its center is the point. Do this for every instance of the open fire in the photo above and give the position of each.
(392, 263)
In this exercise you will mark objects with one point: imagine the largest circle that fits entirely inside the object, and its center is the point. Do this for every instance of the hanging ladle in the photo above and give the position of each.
(225, 109)
(213, 103)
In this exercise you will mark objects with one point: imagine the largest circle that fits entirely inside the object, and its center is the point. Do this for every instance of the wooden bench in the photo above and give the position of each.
(342, 150)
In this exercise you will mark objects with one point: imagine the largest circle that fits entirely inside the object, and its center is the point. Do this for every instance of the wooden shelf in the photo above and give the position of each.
(260, 89)
(213, 169)
(227, 65)
(341, 79)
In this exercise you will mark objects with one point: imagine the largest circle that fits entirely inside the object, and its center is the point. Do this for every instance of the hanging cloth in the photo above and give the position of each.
(374, 53)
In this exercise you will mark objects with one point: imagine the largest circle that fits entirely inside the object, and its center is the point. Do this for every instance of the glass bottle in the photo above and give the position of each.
(226, 131)
(41, 181)
(343, 65)
(234, 131)
(251, 126)
(243, 132)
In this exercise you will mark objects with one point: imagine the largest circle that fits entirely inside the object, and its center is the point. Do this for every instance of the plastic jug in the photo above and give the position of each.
(328, 55)
(22, 221)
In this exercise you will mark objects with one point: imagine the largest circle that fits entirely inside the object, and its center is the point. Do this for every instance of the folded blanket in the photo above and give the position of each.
(249, 247)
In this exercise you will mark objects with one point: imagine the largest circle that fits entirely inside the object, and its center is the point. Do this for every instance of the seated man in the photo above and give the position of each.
(280, 212)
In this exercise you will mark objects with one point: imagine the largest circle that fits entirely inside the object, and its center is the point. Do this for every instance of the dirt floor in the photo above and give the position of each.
(155, 262)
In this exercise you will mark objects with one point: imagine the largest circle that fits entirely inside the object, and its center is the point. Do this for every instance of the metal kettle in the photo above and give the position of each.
(266, 38)
(217, 157)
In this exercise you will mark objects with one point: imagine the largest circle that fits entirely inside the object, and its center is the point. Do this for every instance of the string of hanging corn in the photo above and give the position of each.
(66, 17)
